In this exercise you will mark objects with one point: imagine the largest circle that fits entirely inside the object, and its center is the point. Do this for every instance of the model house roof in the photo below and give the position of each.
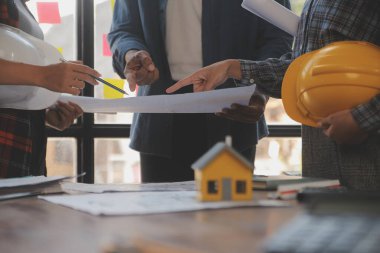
(210, 155)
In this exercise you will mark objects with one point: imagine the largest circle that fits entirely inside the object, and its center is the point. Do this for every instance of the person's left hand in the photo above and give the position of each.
(342, 128)
(61, 115)
(250, 113)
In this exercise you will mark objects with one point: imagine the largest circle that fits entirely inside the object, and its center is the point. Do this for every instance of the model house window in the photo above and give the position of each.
(212, 186)
(241, 187)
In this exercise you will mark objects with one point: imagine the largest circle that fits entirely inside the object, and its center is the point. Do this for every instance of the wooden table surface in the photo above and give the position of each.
(35, 226)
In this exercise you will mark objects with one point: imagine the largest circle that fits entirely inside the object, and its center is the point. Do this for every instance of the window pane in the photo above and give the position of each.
(275, 113)
(61, 157)
(212, 187)
(58, 21)
(241, 187)
(297, 5)
(103, 62)
(115, 162)
(277, 155)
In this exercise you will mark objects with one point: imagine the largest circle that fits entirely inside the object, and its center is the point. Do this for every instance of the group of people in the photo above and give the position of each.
(208, 44)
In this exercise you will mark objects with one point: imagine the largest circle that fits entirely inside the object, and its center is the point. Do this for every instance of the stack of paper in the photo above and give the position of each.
(29, 186)
(274, 182)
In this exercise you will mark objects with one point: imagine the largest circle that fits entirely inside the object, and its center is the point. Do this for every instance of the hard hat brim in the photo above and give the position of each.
(289, 92)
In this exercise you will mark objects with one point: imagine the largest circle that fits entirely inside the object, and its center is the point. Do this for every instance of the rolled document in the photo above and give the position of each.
(274, 13)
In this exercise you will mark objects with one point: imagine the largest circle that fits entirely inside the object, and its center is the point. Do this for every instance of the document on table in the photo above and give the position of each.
(274, 13)
(200, 102)
(101, 188)
(28, 181)
(137, 203)
(11, 188)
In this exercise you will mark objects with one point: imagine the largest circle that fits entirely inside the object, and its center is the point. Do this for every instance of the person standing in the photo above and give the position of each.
(22, 133)
(346, 146)
(161, 41)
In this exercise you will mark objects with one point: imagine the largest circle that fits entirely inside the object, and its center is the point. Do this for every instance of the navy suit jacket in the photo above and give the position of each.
(228, 32)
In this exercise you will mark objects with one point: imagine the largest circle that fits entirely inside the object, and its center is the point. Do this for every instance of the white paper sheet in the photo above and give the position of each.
(201, 102)
(274, 13)
(133, 203)
(101, 188)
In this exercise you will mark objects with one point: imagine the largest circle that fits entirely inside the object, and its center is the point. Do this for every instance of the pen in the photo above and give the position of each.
(103, 81)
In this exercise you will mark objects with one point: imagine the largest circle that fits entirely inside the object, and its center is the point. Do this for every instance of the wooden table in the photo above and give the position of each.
(33, 225)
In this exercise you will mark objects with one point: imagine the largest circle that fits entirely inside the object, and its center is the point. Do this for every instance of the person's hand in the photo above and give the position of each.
(210, 77)
(250, 113)
(342, 128)
(139, 69)
(61, 115)
(67, 77)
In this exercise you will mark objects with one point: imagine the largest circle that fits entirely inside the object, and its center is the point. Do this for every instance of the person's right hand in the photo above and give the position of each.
(139, 69)
(210, 77)
(250, 113)
(67, 77)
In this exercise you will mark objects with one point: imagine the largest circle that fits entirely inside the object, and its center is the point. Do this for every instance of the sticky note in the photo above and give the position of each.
(108, 92)
(106, 46)
(48, 13)
(60, 49)
(112, 4)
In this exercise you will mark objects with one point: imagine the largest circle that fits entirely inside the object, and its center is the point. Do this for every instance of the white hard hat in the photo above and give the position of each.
(18, 46)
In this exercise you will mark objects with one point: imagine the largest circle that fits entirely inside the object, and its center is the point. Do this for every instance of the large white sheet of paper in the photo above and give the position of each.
(133, 203)
(200, 102)
(274, 13)
(101, 188)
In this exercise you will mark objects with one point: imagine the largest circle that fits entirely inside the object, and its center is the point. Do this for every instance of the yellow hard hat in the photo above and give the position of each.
(336, 77)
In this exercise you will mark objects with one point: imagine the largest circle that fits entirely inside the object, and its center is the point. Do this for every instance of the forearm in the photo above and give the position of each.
(126, 33)
(16, 73)
(267, 75)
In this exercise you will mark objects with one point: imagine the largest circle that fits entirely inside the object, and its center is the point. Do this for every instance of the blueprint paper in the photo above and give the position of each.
(274, 13)
(199, 102)
(137, 203)
(101, 188)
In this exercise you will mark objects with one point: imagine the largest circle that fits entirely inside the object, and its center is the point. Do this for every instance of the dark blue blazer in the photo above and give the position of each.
(228, 32)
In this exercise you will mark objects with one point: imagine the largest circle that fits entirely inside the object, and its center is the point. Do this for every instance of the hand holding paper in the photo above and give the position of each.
(250, 113)
(139, 69)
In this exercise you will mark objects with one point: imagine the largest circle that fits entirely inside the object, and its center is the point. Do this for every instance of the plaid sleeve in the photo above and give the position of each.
(368, 115)
(267, 75)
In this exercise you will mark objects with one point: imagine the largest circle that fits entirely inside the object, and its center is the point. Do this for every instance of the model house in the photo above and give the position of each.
(223, 174)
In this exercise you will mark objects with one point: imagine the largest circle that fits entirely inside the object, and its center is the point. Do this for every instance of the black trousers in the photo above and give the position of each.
(189, 144)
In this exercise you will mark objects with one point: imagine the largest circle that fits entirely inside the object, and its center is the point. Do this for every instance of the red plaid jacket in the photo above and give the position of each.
(22, 138)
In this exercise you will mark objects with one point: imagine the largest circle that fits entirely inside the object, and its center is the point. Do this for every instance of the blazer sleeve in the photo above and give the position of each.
(126, 33)
(273, 42)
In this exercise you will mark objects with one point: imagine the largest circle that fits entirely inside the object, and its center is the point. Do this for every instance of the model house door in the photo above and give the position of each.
(226, 188)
